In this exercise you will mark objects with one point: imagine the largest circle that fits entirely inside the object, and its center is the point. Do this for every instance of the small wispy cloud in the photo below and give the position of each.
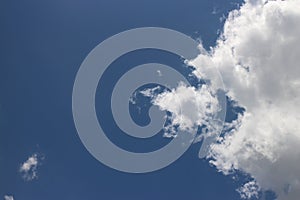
(8, 197)
(249, 190)
(151, 92)
(29, 168)
(215, 11)
(159, 73)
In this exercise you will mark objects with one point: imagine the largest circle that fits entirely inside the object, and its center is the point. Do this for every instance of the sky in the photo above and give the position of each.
(255, 50)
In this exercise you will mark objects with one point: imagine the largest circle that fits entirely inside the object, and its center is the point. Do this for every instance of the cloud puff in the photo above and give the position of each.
(8, 197)
(258, 56)
(191, 107)
(29, 168)
(249, 190)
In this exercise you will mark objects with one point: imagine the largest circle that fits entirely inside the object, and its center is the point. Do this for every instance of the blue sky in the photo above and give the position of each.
(42, 46)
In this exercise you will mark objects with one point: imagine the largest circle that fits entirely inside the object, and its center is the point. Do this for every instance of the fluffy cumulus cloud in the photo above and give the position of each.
(29, 168)
(190, 107)
(8, 197)
(258, 56)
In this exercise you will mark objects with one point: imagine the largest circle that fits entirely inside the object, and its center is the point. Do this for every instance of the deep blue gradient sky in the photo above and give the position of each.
(42, 46)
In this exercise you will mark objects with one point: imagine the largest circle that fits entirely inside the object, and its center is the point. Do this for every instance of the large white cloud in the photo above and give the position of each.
(258, 56)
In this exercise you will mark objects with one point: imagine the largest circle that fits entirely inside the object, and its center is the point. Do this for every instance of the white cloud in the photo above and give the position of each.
(190, 107)
(29, 168)
(249, 190)
(8, 197)
(258, 57)
(159, 73)
(150, 92)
